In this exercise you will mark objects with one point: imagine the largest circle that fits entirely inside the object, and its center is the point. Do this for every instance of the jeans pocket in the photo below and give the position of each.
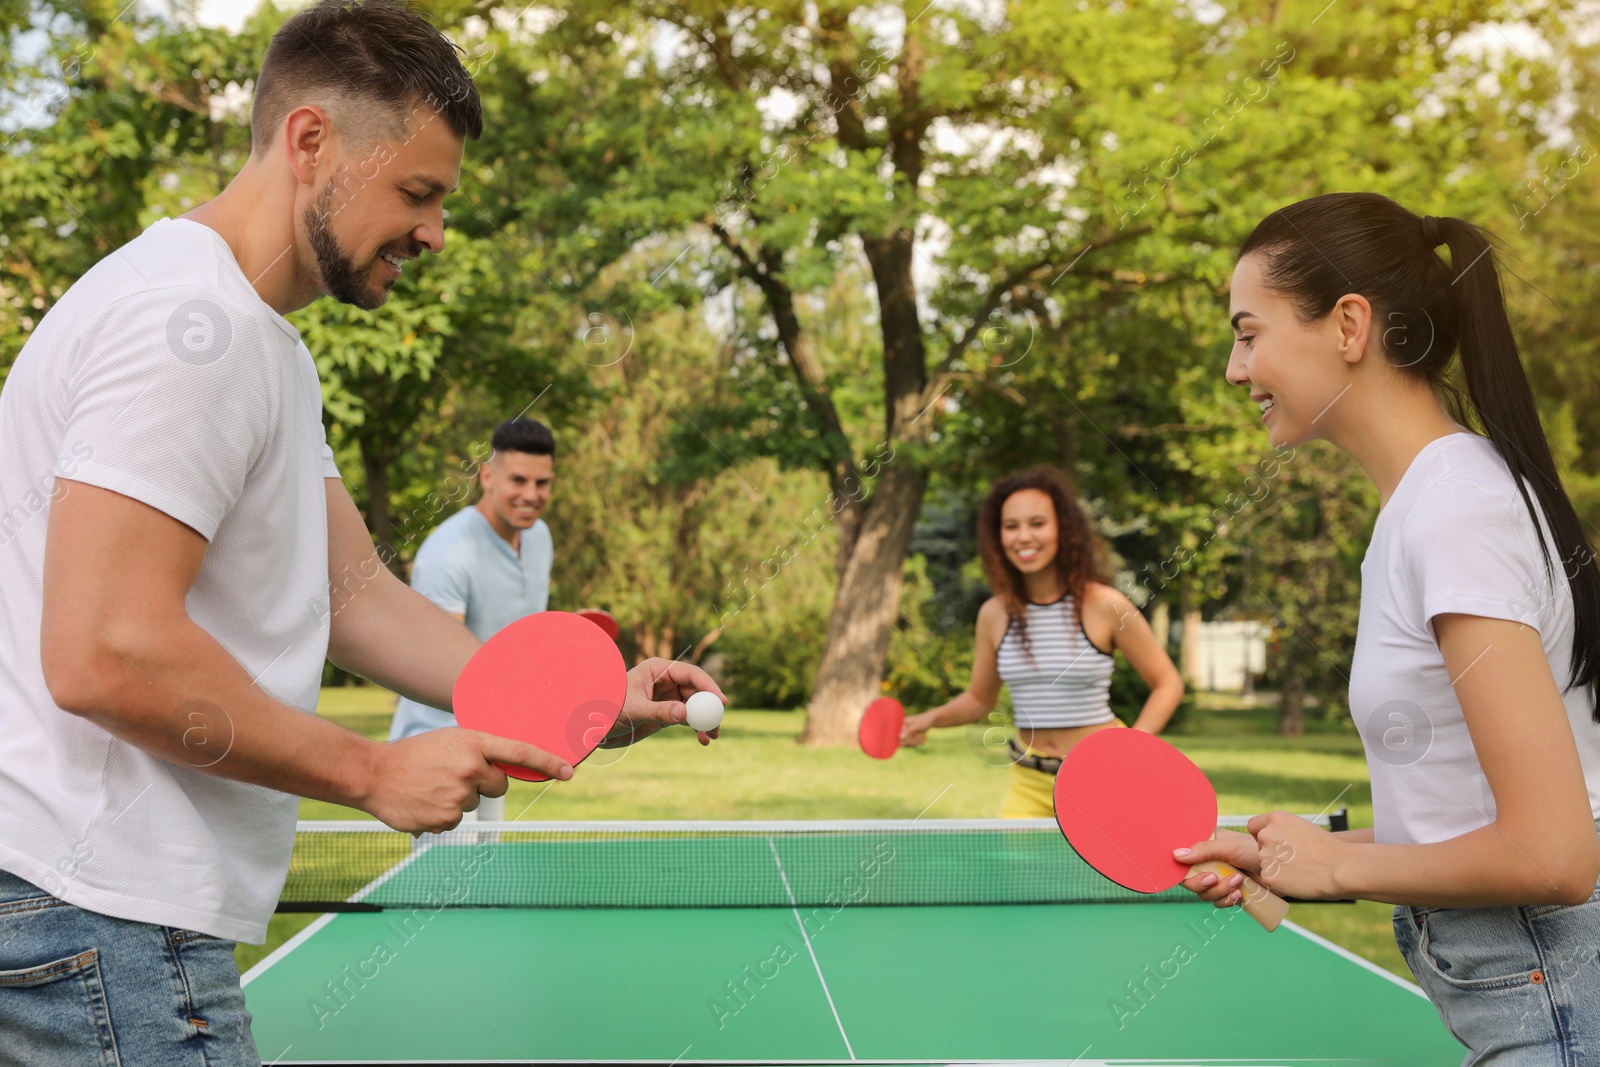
(56, 1014)
(1569, 936)
(215, 1005)
(1468, 949)
(1405, 932)
(1482, 972)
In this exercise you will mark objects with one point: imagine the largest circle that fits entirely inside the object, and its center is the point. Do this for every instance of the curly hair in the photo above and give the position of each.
(1080, 550)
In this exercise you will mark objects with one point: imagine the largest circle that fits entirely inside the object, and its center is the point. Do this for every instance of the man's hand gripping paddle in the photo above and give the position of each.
(553, 679)
(1126, 799)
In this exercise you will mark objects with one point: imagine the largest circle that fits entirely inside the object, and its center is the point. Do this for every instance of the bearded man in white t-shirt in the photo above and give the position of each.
(170, 522)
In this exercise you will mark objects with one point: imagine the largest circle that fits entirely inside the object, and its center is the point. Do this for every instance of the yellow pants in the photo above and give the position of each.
(1030, 794)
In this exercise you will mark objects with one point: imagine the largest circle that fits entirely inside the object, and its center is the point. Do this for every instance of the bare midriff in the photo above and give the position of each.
(1059, 741)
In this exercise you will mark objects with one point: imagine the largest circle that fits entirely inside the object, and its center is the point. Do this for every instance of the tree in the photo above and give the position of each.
(101, 103)
(678, 553)
(1088, 170)
(1125, 383)
(451, 326)
(935, 245)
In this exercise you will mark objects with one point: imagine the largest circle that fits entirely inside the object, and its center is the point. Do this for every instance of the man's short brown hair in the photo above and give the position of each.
(369, 64)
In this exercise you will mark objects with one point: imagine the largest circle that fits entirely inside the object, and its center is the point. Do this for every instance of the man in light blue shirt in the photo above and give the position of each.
(489, 565)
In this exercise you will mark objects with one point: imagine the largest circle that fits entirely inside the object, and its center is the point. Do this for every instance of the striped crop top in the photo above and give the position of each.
(1067, 682)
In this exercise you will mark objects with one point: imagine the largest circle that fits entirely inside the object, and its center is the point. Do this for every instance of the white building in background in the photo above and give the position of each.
(1230, 656)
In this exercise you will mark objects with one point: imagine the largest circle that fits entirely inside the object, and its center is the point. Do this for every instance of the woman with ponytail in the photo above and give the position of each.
(1049, 633)
(1478, 650)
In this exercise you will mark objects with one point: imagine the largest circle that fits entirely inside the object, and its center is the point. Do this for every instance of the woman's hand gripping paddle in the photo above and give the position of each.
(880, 727)
(1126, 799)
(552, 679)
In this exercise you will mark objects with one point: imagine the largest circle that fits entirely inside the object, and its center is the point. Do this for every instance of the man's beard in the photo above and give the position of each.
(345, 282)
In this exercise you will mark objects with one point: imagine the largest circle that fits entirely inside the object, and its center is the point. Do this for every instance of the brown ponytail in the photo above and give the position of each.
(1320, 249)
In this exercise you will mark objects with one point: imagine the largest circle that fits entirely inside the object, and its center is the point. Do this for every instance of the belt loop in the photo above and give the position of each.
(1033, 762)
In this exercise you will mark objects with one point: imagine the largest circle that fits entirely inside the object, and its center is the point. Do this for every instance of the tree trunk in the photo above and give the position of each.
(654, 642)
(1292, 699)
(814, 388)
(847, 525)
(866, 605)
(1064, 429)
(764, 267)
(1189, 651)
(865, 609)
(380, 522)
(1161, 621)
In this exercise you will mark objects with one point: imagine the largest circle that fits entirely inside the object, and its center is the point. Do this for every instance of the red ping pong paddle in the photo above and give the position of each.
(603, 619)
(551, 679)
(880, 727)
(1126, 799)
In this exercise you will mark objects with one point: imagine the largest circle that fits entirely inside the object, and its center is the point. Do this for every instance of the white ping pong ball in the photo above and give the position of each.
(705, 710)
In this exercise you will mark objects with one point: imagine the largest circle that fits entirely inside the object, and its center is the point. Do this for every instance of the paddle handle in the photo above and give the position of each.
(1259, 902)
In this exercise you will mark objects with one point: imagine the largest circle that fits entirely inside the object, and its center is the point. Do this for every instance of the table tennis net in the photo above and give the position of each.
(365, 866)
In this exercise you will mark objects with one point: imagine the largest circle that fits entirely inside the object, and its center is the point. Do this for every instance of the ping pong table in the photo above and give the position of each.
(797, 943)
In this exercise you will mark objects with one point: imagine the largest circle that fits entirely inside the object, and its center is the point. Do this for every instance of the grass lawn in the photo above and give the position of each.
(757, 771)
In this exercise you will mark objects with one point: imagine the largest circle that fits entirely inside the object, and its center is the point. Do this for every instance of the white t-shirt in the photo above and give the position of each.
(1455, 538)
(161, 375)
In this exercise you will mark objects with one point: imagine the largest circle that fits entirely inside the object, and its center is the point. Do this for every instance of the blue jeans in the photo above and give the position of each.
(1520, 987)
(79, 989)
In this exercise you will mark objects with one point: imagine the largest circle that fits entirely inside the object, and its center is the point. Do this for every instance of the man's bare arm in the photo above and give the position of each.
(389, 633)
(382, 629)
(119, 649)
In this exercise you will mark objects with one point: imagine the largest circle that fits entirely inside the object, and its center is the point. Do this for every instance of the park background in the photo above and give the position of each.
(794, 282)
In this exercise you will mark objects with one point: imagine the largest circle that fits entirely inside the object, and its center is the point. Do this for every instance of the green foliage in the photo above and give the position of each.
(101, 104)
(734, 561)
(770, 659)
(1082, 176)
(946, 539)
(1304, 575)
(447, 338)
(1128, 694)
(926, 667)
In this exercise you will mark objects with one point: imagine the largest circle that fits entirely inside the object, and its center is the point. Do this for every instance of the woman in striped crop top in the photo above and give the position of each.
(1049, 633)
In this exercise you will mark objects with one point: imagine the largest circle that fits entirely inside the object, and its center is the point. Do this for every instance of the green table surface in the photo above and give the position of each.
(1076, 983)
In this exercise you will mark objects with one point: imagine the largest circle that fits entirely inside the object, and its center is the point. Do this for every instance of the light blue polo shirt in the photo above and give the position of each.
(467, 569)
